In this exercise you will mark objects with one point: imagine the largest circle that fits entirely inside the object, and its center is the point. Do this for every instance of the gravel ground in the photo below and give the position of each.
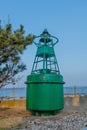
(62, 121)
(71, 118)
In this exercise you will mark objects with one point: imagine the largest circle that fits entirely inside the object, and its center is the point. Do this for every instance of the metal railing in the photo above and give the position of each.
(76, 90)
(12, 93)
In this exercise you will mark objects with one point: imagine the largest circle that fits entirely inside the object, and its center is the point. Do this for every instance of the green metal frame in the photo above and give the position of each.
(45, 54)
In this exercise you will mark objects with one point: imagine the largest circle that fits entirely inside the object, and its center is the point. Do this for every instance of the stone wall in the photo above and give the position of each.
(13, 103)
(75, 103)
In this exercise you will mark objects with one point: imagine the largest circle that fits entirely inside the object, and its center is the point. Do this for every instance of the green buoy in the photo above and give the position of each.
(45, 84)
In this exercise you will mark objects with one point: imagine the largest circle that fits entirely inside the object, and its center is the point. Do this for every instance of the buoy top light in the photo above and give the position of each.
(45, 38)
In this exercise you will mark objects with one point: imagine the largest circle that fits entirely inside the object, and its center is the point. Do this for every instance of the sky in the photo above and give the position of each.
(65, 19)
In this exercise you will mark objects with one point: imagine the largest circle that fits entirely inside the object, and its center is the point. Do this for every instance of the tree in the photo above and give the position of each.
(12, 44)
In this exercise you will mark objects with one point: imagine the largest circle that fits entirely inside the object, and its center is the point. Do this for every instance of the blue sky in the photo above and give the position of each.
(65, 19)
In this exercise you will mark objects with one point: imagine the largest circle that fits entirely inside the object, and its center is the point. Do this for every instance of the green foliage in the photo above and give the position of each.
(12, 44)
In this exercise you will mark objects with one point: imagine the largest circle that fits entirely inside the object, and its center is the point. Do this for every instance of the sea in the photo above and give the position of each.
(10, 93)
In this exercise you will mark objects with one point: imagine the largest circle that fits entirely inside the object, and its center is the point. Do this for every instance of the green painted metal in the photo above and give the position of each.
(45, 84)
